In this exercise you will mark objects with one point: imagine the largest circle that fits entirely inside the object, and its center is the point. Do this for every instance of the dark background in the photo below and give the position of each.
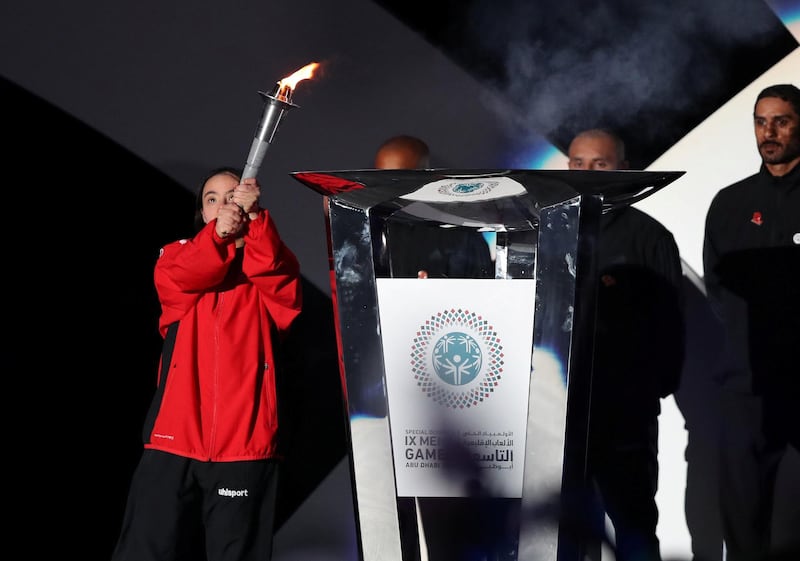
(651, 70)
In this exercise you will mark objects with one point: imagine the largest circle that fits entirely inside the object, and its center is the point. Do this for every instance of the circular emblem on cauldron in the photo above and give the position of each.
(457, 358)
(467, 188)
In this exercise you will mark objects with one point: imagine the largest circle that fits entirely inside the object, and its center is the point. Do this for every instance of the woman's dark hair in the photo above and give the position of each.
(198, 203)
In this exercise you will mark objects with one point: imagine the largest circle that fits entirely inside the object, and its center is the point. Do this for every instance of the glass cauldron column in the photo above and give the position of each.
(467, 392)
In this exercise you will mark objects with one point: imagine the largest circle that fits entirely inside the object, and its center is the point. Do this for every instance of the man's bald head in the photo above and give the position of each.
(403, 152)
(597, 149)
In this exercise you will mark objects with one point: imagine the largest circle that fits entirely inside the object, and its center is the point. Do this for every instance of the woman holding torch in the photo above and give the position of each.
(207, 478)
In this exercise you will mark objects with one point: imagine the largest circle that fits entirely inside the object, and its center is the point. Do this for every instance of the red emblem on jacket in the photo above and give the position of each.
(757, 220)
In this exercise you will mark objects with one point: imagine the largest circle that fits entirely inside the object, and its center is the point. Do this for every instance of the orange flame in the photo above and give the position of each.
(288, 84)
(303, 74)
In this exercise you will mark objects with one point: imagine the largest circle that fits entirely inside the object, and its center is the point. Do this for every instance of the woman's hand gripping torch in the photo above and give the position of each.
(275, 105)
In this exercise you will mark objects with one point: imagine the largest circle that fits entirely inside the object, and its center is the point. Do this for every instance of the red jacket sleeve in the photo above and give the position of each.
(187, 268)
(274, 269)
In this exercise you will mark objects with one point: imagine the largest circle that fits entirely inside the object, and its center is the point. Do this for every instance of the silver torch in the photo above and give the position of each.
(276, 104)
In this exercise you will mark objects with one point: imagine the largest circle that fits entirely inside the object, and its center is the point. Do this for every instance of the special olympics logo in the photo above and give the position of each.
(457, 358)
(467, 188)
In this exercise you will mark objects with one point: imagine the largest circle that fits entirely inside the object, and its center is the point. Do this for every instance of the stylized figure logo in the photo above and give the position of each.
(457, 358)
(467, 188)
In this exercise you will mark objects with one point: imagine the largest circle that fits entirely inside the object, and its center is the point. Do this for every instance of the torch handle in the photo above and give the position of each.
(257, 150)
(274, 110)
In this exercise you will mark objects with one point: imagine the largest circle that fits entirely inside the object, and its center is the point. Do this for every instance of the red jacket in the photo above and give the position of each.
(220, 311)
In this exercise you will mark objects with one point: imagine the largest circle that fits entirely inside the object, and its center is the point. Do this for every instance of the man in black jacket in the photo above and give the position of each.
(751, 259)
(638, 356)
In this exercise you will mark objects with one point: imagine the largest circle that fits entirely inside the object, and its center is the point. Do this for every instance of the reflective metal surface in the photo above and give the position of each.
(540, 225)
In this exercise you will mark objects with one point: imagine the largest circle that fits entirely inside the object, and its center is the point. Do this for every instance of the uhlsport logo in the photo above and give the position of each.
(467, 188)
(457, 358)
